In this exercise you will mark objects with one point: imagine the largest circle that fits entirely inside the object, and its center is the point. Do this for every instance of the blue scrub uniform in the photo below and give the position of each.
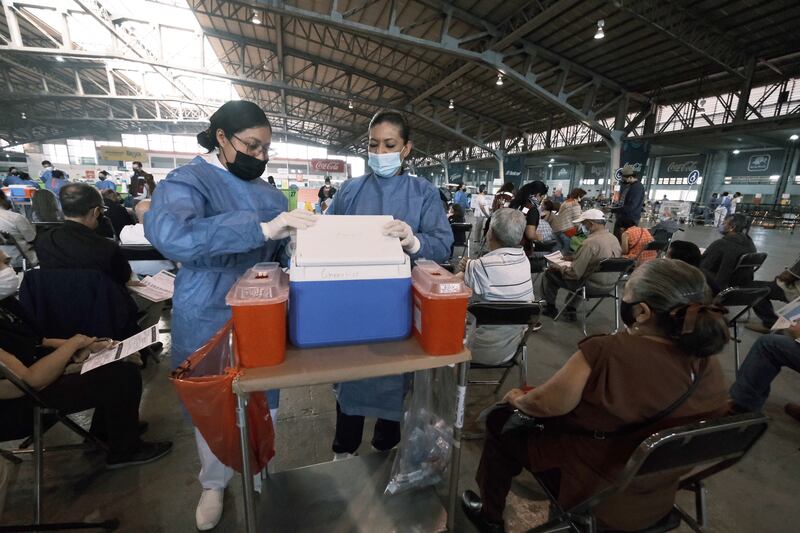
(416, 202)
(101, 185)
(209, 220)
(16, 180)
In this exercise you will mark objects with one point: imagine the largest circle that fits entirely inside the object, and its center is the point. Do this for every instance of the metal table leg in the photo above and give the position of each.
(247, 479)
(455, 460)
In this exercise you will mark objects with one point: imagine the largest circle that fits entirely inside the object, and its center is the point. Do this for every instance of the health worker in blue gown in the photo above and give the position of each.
(218, 219)
(421, 225)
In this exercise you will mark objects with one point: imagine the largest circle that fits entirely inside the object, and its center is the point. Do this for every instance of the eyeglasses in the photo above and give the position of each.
(7, 261)
(254, 148)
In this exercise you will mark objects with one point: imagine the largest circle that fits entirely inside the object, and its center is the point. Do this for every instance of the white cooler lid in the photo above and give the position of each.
(343, 240)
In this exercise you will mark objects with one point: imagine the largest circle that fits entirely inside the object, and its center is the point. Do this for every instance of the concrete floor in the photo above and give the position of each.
(759, 495)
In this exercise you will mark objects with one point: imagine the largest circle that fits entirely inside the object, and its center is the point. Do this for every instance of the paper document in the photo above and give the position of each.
(557, 259)
(156, 288)
(788, 315)
(122, 349)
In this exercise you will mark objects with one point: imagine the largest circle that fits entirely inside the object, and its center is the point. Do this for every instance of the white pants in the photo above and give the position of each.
(213, 473)
(719, 216)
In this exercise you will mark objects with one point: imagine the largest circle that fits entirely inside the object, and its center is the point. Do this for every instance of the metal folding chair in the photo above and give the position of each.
(465, 229)
(619, 265)
(713, 445)
(9, 242)
(746, 297)
(40, 411)
(748, 265)
(506, 314)
(539, 264)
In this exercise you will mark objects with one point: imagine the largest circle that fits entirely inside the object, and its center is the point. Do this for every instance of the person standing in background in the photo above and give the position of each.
(631, 200)
(483, 210)
(102, 182)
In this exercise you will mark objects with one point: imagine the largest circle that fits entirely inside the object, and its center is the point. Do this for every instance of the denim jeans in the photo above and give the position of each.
(763, 363)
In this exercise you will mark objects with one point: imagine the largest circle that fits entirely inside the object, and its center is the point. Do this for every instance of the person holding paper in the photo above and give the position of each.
(114, 391)
(421, 225)
(218, 218)
(600, 244)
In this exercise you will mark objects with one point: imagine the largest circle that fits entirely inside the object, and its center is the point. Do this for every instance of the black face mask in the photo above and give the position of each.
(246, 167)
(626, 312)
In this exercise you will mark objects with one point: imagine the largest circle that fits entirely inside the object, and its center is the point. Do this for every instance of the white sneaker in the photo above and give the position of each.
(209, 509)
(343, 456)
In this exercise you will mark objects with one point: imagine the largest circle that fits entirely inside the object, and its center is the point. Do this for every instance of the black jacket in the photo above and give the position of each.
(632, 197)
(119, 216)
(74, 246)
(721, 256)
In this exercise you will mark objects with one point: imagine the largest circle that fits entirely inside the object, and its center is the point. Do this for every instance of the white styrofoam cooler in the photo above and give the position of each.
(348, 284)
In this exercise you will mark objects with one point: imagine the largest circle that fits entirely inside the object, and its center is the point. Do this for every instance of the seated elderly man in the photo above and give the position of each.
(75, 245)
(502, 275)
(600, 244)
(134, 235)
(116, 212)
(722, 255)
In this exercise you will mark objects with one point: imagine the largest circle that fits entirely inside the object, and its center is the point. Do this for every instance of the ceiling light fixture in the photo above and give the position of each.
(60, 59)
(550, 165)
(701, 105)
(256, 19)
(451, 104)
(736, 152)
(349, 104)
(552, 160)
(499, 80)
(24, 116)
(794, 137)
(599, 33)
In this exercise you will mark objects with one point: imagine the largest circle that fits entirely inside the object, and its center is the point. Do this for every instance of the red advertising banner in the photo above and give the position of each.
(328, 165)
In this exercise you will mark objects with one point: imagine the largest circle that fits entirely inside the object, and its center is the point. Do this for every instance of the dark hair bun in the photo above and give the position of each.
(206, 140)
(700, 330)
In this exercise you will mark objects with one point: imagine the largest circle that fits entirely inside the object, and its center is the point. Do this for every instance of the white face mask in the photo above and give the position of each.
(385, 165)
(9, 283)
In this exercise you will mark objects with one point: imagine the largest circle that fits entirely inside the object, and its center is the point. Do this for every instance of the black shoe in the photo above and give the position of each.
(472, 505)
(146, 453)
(550, 310)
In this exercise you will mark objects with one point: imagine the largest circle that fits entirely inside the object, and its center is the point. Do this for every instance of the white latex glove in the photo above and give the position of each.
(281, 226)
(401, 230)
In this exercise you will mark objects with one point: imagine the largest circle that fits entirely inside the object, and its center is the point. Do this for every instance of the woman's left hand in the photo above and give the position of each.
(101, 344)
(513, 396)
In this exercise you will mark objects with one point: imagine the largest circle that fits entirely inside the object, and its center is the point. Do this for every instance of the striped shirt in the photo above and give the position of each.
(503, 275)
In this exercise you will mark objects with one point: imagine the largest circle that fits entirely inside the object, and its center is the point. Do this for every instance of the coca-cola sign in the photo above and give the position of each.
(328, 165)
(681, 167)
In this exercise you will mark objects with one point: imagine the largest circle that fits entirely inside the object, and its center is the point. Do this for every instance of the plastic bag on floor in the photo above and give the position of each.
(424, 453)
(204, 383)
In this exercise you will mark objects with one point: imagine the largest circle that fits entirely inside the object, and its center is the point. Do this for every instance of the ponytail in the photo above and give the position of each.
(698, 329)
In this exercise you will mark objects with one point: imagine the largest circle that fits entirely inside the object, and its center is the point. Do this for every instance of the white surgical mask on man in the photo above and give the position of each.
(9, 283)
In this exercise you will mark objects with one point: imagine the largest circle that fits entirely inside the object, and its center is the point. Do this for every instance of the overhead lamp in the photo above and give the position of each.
(599, 33)
(736, 152)
(552, 160)
(349, 104)
(24, 116)
(467, 167)
(60, 59)
(550, 165)
(499, 80)
(451, 104)
(794, 137)
(256, 19)
(701, 105)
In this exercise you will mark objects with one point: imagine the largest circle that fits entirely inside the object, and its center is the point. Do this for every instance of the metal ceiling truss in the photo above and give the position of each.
(578, 92)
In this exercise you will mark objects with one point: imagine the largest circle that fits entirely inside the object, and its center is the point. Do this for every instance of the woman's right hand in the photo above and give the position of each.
(282, 226)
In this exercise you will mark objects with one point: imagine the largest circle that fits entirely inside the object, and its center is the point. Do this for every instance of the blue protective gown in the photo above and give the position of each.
(415, 201)
(101, 185)
(16, 180)
(209, 220)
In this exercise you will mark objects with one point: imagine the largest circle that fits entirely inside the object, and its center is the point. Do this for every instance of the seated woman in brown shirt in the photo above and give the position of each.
(611, 382)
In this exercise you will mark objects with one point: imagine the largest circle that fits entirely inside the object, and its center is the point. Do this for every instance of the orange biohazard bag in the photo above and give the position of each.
(204, 383)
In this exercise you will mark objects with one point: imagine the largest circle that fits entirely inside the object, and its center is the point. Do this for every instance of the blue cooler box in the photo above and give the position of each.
(348, 284)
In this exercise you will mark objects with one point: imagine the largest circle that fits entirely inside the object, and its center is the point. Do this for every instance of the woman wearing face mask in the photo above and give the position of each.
(113, 390)
(611, 394)
(423, 230)
(218, 219)
(527, 200)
